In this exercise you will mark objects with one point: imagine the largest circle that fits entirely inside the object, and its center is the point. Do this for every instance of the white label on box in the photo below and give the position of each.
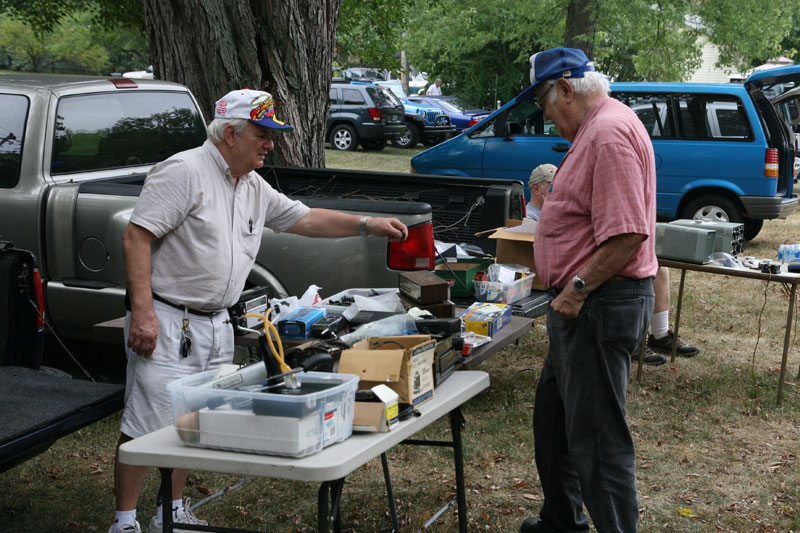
(331, 419)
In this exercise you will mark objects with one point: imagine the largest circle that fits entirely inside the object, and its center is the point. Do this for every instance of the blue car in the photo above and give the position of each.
(461, 114)
(722, 151)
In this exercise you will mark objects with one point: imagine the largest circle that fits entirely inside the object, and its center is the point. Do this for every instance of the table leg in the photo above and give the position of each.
(678, 316)
(786, 338)
(456, 423)
(166, 499)
(390, 493)
(324, 519)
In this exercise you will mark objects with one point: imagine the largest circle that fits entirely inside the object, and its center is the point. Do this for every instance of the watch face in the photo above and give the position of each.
(579, 284)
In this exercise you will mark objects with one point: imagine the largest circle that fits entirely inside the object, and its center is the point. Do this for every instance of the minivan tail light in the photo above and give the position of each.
(524, 207)
(375, 113)
(414, 253)
(771, 163)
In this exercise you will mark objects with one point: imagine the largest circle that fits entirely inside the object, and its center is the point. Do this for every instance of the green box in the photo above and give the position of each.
(463, 272)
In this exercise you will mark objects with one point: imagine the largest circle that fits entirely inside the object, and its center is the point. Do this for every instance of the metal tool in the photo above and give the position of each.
(289, 378)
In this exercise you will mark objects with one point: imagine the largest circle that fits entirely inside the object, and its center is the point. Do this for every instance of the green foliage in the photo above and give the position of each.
(44, 15)
(71, 40)
(369, 31)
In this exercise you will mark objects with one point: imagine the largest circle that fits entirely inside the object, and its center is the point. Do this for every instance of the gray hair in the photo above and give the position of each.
(216, 130)
(591, 83)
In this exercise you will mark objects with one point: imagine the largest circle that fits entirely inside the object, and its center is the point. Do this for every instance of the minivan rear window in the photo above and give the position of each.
(698, 116)
(13, 116)
(113, 130)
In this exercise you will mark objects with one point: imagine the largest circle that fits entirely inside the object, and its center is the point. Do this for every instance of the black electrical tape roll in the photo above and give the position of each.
(406, 410)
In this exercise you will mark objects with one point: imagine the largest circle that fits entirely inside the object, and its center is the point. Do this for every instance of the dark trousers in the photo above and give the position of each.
(584, 449)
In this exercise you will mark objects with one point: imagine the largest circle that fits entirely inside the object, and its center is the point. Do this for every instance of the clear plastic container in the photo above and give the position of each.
(503, 293)
(271, 420)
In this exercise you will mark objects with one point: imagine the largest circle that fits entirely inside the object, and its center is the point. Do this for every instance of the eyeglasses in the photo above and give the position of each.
(540, 102)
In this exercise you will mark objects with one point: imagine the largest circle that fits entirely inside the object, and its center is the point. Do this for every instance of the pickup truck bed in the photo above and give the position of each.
(40, 408)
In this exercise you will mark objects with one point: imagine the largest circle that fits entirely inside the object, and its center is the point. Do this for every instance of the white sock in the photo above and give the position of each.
(177, 505)
(659, 324)
(125, 517)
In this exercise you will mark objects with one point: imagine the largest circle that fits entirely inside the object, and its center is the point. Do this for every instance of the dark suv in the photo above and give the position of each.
(363, 113)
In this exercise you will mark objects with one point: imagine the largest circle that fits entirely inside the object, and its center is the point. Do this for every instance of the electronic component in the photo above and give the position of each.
(298, 323)
(684, 243)
(729, 236)
(326, 327)
(251, 301)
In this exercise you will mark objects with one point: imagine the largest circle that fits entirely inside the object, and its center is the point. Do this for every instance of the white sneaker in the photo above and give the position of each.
(125, 528)
(186, 516)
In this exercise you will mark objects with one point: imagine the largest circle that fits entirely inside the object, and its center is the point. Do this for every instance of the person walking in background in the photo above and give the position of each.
(435, 89)
(595, 251)
(539, 185)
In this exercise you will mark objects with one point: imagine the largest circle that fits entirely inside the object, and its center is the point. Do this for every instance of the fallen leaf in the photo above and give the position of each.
(687, 513)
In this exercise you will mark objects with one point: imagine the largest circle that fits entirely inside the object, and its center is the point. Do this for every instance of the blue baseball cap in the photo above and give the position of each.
(553, 64)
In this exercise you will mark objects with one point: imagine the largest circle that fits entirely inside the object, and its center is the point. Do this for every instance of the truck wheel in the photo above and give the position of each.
(375, 144)
(715, 208)
(343, 137)
(751, 228)
(409, 138)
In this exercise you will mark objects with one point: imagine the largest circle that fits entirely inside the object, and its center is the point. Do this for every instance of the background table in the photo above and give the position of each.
(165, 450)
(783, 277)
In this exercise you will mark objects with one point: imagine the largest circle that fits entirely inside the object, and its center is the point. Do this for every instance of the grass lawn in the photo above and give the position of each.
(714, 452)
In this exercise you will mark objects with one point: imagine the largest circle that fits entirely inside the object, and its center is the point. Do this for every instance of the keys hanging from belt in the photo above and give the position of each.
(186, 343)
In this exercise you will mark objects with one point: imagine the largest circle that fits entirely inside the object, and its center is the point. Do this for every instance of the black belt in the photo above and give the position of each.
(176, 306)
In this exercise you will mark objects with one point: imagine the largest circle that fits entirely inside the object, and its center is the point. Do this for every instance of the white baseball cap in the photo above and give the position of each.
(256, 106)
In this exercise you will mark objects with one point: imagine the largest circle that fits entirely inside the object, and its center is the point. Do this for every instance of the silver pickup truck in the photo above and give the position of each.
(74, 153)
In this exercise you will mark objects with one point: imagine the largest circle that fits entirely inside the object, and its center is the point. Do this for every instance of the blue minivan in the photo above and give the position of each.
(723, 152)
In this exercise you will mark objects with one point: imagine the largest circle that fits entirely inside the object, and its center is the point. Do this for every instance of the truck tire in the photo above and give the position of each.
(409, 138)
(374, 144)
(344, 137)
(716, 208)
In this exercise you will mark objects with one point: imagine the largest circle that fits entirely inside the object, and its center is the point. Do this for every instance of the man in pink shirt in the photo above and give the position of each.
(595, 250)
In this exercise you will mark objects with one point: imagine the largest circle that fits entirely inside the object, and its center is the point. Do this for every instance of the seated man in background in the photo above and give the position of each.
(539, 183)
(659, 342)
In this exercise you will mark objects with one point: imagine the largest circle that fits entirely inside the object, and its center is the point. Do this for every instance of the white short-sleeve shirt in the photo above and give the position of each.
(208, 233)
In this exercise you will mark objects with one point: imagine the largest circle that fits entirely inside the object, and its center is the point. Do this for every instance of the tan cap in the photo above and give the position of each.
(542, 173)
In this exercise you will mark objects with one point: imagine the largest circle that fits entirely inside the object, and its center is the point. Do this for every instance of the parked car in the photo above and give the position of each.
(462, 115)
(365, 114)
(423, 122)
(722, 150)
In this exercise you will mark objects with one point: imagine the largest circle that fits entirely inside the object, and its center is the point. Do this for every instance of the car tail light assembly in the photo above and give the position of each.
(473, 121)
(414, 253)
(771, 163)
(375, 113)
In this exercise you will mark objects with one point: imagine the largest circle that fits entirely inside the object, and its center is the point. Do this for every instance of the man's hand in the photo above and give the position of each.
(143, 332)
(568, 303)
(387, 227)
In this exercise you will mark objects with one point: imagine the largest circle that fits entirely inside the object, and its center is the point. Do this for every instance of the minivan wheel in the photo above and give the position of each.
(751, 228)
(715, 208)
(409, 138)
(343, 137)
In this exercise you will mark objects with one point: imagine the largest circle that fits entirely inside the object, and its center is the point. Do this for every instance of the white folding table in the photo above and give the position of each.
(163, 449)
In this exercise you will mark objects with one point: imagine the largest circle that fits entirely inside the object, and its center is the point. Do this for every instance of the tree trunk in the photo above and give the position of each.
(580, 27)
(283, 47)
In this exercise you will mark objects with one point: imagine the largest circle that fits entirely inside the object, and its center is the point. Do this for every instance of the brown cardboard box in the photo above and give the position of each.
(404, 364)
(516, 248)
(380, 416)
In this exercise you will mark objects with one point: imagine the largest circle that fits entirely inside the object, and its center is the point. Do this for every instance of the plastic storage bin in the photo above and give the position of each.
(284, 422)
(503, 293)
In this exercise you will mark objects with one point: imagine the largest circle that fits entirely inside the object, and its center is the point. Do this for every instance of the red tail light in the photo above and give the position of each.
(414, 253)
(473, 121)
(524, 207)
(771, 163)
(37, 286)
(375, 113)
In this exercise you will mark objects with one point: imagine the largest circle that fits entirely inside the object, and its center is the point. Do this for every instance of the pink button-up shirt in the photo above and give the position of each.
(604, 187)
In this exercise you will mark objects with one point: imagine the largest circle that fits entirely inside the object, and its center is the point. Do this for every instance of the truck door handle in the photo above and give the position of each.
(560, 147)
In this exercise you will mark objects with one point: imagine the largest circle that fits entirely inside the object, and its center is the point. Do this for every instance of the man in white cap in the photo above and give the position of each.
(190, 244)
(539, 185)
(595, 251)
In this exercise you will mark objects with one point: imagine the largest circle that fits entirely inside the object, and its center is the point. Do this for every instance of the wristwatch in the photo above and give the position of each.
(362, 226)
(579, 285)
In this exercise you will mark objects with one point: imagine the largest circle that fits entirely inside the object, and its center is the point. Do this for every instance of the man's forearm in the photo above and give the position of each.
(136, 247)
(609, 259)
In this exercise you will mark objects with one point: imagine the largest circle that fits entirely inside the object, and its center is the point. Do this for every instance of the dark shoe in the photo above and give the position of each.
(532, 524)
(652, 358)
(664, 345)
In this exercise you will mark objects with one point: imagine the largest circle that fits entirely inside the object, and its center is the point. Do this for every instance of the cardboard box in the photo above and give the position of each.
(485, 318)
(380, 416)
(423, 287)
(516, 248)
(404, 364)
